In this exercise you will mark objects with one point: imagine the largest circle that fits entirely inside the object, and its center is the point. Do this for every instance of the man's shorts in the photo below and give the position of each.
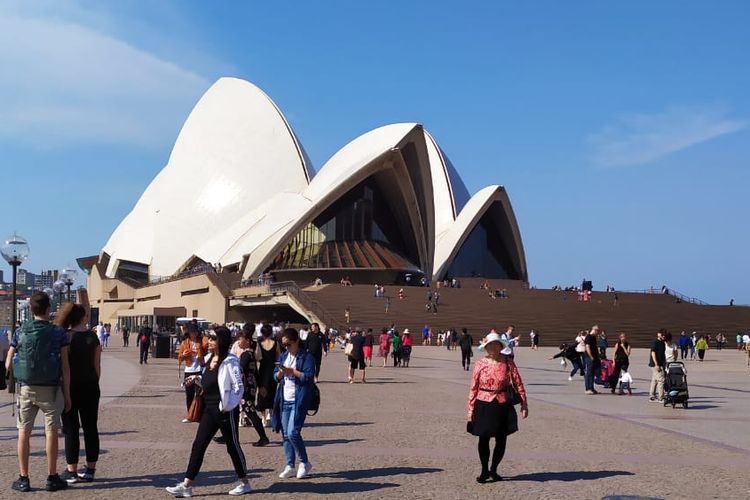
(48, 399)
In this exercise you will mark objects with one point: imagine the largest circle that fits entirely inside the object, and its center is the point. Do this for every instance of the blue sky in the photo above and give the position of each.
(620, 129)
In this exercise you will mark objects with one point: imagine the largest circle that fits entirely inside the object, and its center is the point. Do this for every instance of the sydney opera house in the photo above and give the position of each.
(239, 200)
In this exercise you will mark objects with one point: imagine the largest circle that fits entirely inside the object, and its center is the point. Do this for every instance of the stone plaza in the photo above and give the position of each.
(402, 435)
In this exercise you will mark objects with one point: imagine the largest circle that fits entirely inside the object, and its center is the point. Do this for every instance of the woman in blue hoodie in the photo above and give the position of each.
(295, 372)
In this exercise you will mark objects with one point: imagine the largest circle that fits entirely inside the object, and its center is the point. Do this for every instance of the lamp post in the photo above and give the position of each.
(15, 250)
(58, 287)
(68, 276)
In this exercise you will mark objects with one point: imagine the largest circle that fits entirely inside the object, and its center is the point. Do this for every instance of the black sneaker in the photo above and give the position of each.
(54, 483)
(21, 484)
(220, 440)
(261, 442)
(86, 475)
(69, 477)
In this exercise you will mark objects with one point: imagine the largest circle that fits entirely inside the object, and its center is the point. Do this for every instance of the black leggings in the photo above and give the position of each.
(318, 362)
(465, 357)
(497, 455)
(83, 413)
(249, 413)
(213, 420)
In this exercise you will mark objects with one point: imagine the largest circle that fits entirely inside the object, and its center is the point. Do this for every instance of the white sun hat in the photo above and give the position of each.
(492, 337)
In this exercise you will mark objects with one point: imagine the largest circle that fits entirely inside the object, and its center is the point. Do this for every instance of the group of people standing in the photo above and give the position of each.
(57, 368)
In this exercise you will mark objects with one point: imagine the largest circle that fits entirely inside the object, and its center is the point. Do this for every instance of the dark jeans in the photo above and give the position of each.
(465, 357)
(318, 361)
(577, 366)
(213, 420)
(590, 371)
(84, 412)
(125, 340)
(397, 357)
(684, 352)
(144, 354)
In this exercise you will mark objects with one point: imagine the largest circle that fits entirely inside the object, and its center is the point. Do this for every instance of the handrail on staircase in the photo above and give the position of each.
(310, 304)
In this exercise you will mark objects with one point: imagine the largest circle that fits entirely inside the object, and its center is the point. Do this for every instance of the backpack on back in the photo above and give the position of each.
(38, 361)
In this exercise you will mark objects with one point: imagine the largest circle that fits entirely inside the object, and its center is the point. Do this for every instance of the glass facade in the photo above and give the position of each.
(483, 254)
(357, 231)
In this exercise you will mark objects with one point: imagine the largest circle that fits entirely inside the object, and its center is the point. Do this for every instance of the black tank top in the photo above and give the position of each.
(210, 381)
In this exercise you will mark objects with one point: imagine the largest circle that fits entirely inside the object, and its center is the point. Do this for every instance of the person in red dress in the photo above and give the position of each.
(488, 405)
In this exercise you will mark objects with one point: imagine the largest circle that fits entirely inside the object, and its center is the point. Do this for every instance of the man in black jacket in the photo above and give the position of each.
(316, 344)
(144, 342)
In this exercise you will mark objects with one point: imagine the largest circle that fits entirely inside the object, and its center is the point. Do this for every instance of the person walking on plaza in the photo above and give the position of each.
(39, 358)
(267, 352)
(534, 337)
(357, 355)
(125, 336)
(684, 343)
(384, 346)
(701, 346)
(367, 347)
(144, 342)
(603, 344)
(85, 354)
(488, 406)
(407, 344)
(591, 360)
(396, 349)
(249, 369)
(191, 353)
(222, 389)
(316, 344)
(657, 361)
(294, 373)
(622, 360)
(510, 342)
(465, 342)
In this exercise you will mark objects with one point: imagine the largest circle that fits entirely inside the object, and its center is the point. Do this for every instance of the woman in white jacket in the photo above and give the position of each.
(221, 381)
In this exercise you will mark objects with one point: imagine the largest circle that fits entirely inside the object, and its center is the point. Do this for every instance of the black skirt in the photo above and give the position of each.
(490, 419)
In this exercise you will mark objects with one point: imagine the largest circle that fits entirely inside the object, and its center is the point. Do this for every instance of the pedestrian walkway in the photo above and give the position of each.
(402, 435)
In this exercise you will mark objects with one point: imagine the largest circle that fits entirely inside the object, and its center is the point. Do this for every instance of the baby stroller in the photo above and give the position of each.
(675, 385)
(604, 376)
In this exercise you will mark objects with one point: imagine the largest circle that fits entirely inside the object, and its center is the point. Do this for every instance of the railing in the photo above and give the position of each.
(290, 287)
(668, 291)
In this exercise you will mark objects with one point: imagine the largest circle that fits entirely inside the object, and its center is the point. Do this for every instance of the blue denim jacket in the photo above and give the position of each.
(305, 364)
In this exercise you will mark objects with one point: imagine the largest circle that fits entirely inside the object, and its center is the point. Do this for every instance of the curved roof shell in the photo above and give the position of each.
(234, 149)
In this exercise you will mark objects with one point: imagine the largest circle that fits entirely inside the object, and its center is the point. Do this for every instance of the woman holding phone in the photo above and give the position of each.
(295, 373)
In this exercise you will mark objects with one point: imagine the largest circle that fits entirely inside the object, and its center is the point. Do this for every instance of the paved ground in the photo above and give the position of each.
(402, 435)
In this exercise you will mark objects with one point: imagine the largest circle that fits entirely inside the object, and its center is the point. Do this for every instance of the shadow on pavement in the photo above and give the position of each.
(324, 442)
(318, 488)
(164, 480)
(336, 424)
(583, 475)
(353, 475)
(629, 497)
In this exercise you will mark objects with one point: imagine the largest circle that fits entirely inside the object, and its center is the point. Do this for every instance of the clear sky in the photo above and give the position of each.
(620, 129)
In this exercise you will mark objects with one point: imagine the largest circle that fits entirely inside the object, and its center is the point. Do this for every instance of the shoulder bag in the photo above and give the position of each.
(196, 407)
(513, 397)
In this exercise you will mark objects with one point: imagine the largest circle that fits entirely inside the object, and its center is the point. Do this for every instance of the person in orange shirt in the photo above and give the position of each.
(191, 353)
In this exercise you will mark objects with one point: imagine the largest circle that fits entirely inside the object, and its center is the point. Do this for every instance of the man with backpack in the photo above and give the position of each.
(38, 356)
(144, 342)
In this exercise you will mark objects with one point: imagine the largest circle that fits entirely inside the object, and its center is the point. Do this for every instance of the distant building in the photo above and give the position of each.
(45, 279)
(5, 312)
(25, 278)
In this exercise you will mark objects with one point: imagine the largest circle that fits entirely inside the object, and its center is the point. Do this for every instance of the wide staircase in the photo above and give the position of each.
(556, 315)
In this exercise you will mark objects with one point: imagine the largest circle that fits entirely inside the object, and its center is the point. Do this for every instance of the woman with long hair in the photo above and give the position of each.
(295, 373)
(85, 356)
(622, 361)
(267, 352)
(488, 403)
(222, 389)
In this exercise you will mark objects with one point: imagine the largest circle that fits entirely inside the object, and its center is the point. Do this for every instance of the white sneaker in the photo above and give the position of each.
(266, 422)
(185, 421)
(570, 378)
(287, 472)
(180, 490)
(303, 470)
(241, 489)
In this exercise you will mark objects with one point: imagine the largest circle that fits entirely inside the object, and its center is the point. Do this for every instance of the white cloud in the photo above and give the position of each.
(639, 138)
(65, 82)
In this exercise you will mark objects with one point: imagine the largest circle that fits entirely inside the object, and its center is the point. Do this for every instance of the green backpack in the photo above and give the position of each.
(38, 360)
